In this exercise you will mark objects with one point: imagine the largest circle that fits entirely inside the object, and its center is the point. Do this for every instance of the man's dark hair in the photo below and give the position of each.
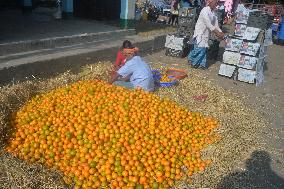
(127, 45)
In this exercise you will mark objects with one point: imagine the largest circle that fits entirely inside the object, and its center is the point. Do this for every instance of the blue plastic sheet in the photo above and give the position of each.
(160, 4)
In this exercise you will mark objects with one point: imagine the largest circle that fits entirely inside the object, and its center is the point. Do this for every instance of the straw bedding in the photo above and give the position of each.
(240, 127)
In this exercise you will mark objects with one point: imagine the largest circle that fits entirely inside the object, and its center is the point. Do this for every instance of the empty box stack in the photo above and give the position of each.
(245, 51)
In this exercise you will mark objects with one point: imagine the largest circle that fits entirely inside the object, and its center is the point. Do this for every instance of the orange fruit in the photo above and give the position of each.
(99, 134)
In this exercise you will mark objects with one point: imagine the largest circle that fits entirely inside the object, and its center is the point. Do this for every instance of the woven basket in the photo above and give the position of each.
(157, 78)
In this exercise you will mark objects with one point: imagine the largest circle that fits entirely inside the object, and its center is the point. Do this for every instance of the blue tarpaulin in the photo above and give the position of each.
(160, 4)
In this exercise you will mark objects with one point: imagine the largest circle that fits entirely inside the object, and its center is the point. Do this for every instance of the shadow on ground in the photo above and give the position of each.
(215, 56)
(258, 174)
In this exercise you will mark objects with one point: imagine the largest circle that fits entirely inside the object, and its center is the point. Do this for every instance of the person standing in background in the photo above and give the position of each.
(207, 22)
(174, 12)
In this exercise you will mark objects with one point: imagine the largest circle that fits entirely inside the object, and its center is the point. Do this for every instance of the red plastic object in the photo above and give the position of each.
(176, 73)
(201, 98)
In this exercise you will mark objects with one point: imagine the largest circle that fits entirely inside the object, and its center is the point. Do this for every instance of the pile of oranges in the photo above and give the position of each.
(100, 135)
(166, 78)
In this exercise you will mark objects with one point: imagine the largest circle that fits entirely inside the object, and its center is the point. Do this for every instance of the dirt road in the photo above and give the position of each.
(267, 100)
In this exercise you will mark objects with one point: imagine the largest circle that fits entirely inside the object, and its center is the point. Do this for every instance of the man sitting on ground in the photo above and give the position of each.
(135, 69)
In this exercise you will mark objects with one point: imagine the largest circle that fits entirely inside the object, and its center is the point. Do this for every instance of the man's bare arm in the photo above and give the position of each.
(114, 76)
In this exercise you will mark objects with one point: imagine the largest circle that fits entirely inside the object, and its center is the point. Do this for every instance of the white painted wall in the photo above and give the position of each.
(127, 11)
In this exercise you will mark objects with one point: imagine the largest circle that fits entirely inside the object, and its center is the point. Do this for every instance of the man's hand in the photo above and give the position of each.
(126, 79)
(115, 67)
(113, 76)
(220, 35)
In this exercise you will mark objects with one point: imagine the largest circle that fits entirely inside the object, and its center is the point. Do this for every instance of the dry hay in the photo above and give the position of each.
(240, 126)
(15, 173)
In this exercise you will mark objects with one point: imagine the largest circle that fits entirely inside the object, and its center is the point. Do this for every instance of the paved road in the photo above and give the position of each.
(16, 26)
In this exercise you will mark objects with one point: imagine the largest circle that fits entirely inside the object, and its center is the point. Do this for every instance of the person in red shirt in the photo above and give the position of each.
(120, 58)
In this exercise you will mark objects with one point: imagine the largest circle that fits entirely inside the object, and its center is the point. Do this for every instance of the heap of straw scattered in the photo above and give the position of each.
(240, 127)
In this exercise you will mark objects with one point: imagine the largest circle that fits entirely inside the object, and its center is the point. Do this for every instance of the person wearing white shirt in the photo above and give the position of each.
(207, 22)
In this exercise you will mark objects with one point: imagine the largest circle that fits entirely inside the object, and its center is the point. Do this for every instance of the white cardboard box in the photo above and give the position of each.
(227, 70)
(246, 75)
(249, 48)
(233, 44)
(174, 42)
(251, 33)
(240, 30)
(231, 57)
(247, 62)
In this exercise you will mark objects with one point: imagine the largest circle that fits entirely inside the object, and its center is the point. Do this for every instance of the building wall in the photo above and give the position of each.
(10, 3)
(127, 9)
(97, 9)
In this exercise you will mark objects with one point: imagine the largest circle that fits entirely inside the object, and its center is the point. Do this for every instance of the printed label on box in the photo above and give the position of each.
(247, 62)
(242, 16)
(251, 33)
(240, 30)
(233, 44)
(250, 48)
(174, 42)
(246, 75)
(226, 70)
(231, 57)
